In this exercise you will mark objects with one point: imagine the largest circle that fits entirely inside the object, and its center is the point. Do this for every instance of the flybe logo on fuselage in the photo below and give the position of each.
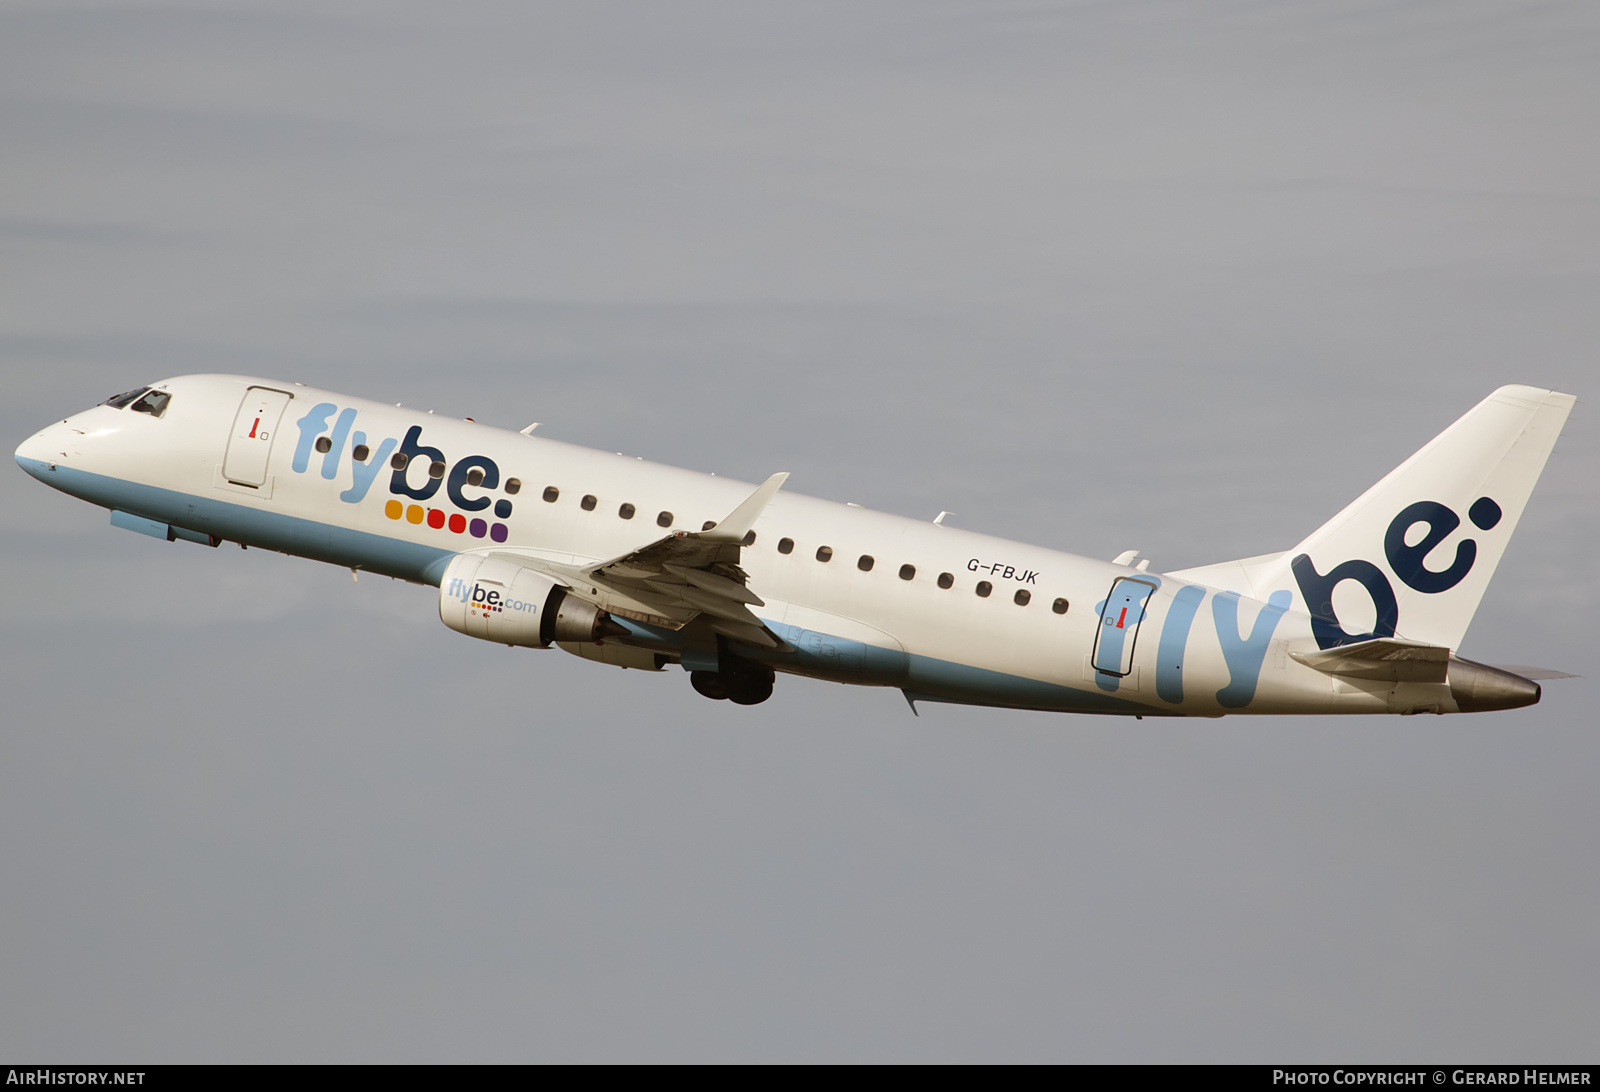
(408, 460)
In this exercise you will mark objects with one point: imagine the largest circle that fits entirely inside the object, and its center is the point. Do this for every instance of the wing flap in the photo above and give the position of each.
(757, 635)
(707, 580)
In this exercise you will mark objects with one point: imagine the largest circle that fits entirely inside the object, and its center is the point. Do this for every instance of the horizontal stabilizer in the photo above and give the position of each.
(1528, 671)
(1475, 687)
(1384, 658)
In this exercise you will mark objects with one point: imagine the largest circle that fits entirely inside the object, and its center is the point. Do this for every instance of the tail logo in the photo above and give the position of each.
(1406, 559)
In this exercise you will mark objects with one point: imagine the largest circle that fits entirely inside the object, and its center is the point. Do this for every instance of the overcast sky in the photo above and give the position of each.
(923, 256)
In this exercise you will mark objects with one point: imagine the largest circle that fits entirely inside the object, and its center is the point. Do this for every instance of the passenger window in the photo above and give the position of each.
(399, 461)
(907, 572)
(324, 444)
(360, 453)
(786, 545)
(588, 502)
(550, 491)
(120, 401)
(664, 519)
(514, 486)
(475, 476)
(984, 588)
(1059, 606)
(824, 553)
(154, 403)
(946, 580)
(1022, 597)
(864, 563)
(708, 524)
(626, 511)
(749, 538)
(436, 470)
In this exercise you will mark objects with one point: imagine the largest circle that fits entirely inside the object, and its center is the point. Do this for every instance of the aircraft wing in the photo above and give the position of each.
(682, 576)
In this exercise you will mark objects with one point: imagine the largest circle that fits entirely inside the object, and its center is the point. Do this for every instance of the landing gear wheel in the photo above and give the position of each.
(741, 681)
(750, 691)
(709, 683)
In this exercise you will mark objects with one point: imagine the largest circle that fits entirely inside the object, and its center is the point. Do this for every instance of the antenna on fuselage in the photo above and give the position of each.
(529, 430)
(938, 521)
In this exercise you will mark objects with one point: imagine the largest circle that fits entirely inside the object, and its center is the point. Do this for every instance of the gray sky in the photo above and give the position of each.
(914, 253)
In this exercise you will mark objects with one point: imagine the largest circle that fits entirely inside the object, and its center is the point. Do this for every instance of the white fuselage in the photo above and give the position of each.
(875, 612)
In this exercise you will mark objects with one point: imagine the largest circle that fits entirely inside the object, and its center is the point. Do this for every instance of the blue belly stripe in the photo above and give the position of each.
(819, 655)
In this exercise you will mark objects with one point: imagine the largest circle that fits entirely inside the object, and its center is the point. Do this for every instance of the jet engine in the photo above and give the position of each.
(496, 599)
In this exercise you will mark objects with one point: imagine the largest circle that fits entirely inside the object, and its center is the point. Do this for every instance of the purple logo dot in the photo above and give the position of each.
(498, 532)
(477, 527)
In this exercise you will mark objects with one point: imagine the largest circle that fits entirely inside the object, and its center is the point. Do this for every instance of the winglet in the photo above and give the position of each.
(741, 519)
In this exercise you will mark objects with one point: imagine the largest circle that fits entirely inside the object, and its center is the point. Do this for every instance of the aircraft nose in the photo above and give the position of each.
(37, 453)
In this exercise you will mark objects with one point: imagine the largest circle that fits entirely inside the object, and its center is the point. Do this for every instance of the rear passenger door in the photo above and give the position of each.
(1119, 625)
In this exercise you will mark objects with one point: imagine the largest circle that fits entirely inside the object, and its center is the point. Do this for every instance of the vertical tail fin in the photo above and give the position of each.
(1425, 540)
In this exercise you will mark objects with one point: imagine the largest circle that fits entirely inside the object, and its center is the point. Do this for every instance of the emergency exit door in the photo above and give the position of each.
(254, 428)
(1119, 625)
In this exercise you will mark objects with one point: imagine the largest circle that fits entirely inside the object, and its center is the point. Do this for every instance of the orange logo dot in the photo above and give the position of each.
(394, 509)
(414, 514)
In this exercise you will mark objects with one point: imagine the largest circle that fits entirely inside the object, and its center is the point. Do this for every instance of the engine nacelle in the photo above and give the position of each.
(496, 599)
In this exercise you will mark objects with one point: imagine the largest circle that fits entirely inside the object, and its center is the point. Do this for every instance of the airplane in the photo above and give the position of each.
(533, 543)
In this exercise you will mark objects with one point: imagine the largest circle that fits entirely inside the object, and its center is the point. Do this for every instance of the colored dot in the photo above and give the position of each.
(394, 509)
(458, 522)
(502, 508)
(1484, 512)
(498, 532)
(436, 518)
(478, 528)
(414, 514)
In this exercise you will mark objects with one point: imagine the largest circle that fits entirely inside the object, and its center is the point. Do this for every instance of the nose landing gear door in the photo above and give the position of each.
(254, 427)
(1119, 625)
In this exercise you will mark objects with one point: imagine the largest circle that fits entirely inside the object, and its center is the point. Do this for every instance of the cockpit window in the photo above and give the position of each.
(120, 401)
(154, 403)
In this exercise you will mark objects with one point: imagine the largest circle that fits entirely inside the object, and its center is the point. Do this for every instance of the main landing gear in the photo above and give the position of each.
(742, 682)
